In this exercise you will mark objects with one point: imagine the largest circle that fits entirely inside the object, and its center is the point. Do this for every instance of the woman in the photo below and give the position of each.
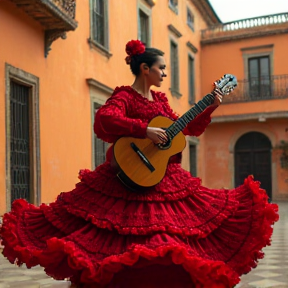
(175, 234)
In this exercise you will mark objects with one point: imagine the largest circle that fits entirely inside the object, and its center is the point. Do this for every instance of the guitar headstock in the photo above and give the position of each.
(225, 85)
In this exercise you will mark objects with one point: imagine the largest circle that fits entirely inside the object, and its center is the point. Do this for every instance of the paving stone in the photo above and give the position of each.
(12, 278)
(272, 270)
(38, 277)
(27, 284)
(34, 273)
(58, 284)
(46, 281)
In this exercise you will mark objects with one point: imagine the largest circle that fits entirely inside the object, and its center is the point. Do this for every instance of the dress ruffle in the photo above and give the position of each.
(91, 255)
(91, 237)
(108, 205)
(178, 231)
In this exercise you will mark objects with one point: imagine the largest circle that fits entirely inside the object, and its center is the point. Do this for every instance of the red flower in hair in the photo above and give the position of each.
(135, 47)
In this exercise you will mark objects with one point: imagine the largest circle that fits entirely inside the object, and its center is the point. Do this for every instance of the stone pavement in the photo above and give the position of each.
(272, 271)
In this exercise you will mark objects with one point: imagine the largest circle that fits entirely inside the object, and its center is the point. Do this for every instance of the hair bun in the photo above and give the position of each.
(134, 47)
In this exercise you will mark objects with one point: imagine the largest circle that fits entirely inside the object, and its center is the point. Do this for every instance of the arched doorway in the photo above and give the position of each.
(253, 156)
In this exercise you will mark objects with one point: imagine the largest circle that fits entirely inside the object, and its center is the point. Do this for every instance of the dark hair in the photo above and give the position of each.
(150, 56)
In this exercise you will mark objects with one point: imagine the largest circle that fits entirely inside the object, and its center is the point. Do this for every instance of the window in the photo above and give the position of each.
(144, 26)
(99, 22)
(174, 67)
(259, 77)
(193, 160)
(100, 147)
(258, 70)
(22, 136)
(144, 21)
(190, 19)
(99, 93)
(20, 108)
(191, 80)
(100, 151)
(173, 4)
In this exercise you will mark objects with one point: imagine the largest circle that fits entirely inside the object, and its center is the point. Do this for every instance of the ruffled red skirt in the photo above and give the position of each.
(177, 234)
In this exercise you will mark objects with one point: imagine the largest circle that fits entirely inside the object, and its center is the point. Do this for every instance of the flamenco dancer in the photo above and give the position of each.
(175, 234)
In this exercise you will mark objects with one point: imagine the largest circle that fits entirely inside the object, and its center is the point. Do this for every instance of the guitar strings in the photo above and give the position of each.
(181, 123)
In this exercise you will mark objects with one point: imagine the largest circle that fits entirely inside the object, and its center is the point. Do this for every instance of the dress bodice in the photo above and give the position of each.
(127, 113)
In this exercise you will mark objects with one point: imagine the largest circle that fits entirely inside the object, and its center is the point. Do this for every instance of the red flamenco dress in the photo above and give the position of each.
(176, 234)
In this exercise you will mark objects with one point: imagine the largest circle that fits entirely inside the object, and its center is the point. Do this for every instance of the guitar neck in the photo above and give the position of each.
(191, 114)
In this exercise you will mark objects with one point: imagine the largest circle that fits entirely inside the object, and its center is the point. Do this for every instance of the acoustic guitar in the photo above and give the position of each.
(141, 163)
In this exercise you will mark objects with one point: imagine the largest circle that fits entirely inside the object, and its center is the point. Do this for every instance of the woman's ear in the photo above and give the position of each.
(144, 68)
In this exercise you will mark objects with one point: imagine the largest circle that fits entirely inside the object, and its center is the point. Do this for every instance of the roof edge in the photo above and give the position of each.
(207, 11)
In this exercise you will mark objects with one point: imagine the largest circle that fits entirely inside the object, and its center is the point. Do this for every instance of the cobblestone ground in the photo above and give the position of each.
(272, 271)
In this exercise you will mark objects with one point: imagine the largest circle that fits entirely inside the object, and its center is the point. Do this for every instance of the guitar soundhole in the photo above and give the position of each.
(165, 146)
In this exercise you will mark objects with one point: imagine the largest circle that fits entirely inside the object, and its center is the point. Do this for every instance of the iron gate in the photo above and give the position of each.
(19, 142)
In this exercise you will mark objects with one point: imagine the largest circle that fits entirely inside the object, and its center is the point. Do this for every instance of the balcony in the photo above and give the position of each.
(246, 28)
(56, 16)
(259, 89)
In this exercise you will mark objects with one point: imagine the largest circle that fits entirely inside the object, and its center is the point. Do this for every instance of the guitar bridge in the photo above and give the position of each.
(142, 157)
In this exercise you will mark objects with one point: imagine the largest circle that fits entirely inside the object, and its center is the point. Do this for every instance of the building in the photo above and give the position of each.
(61, 60)
(248, 133)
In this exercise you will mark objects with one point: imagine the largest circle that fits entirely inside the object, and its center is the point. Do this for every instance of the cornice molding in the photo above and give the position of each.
(151, 3)
(192, 47)
(174, 31)
(243, 35)
(98, 85)
(207, 12)
(269, 46)
(261, 117)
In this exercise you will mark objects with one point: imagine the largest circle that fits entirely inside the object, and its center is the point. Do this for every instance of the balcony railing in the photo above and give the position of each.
(246, 28)
(56, 16)
(259, 88)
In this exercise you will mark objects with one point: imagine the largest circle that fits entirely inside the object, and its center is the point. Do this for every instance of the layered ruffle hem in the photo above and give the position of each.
(177, 233)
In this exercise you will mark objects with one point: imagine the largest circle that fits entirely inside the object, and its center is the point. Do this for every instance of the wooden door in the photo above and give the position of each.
(253, 156)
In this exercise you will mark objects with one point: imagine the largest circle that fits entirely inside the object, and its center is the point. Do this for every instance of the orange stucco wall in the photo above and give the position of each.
(219, 156)
(65, 106)
(60, 92)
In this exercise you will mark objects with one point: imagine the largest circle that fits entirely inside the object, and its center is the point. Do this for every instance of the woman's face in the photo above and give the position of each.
(156, 72)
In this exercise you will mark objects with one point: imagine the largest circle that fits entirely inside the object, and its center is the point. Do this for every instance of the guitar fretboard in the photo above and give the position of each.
(181, 123)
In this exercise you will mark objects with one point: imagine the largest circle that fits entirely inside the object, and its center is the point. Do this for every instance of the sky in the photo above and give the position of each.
(230, 10)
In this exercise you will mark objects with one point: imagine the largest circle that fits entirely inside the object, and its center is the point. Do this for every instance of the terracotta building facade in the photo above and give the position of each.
(250, 128)
(61, 60)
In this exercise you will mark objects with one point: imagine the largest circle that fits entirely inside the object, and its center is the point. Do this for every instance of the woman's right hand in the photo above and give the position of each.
(157, 135)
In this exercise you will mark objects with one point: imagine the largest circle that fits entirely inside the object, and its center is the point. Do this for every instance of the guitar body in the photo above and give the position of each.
(148, 168)
(141, 163)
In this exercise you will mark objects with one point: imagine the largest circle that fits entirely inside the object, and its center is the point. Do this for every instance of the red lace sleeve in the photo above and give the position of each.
(111, 121)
